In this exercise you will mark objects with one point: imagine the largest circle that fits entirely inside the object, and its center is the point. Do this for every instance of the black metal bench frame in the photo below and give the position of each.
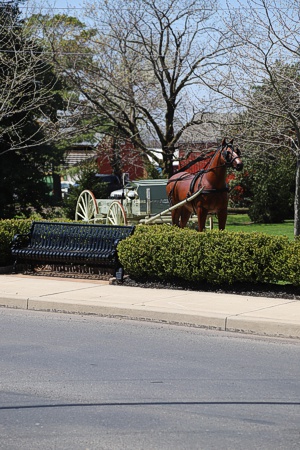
(70, 243)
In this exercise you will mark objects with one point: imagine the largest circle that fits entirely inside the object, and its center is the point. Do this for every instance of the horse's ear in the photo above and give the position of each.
(224, 142)
(231, 142)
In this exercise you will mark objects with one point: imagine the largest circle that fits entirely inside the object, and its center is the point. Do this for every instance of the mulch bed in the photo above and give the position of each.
(249, 289)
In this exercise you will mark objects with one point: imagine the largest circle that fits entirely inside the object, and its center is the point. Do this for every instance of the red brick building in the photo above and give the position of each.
(119, 158)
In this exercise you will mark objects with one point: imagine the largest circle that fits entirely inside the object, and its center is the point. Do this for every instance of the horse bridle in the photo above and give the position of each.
(225, 153)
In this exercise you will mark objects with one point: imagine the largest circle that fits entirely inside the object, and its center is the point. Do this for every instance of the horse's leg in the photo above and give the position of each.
(175, 216)
(184, 217)
(222, 218)
(202, 215)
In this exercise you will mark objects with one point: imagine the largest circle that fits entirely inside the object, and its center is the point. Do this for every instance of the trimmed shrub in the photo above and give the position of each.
(8, 228)
(217, 257)
(291, 269)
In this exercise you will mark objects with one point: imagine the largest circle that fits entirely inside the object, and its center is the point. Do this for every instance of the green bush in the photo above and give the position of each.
(291, 269)
(270, 204)
(8, 228)
(86, 179)
(216, 257)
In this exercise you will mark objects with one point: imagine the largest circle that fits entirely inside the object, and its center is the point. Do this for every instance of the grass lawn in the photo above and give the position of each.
(242, 222)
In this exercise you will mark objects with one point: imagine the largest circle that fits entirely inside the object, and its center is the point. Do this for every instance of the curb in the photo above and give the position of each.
(233, 324)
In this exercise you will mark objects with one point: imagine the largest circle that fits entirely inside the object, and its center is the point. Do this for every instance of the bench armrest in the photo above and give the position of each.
(116, 241)
(20, 240)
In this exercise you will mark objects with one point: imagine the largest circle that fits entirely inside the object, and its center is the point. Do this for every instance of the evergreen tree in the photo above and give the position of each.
(30, 99)
(268, 131)
(272, 183)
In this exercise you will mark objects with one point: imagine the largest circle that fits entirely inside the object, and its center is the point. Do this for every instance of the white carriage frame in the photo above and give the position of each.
(115, 212)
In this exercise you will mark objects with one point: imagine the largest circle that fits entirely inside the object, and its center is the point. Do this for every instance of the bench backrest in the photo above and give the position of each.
(75, 236)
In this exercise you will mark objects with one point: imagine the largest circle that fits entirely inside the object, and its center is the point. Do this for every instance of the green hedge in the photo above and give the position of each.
(8, 228)
(291, 269)
(217, 257)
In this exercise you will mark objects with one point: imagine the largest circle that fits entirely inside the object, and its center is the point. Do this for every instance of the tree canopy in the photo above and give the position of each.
(28, 89)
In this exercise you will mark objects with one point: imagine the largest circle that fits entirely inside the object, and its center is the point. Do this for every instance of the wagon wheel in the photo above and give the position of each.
(87, 207)
(116, 214)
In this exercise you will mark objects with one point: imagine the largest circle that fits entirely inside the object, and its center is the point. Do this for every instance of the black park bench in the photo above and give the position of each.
(70, 244)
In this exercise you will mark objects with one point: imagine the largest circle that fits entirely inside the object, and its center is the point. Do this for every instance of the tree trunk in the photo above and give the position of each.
(115, 159)
(56, 185)
(168, 164)
(297, 199)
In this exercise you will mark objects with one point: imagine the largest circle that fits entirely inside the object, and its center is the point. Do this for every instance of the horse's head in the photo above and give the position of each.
(231, 155)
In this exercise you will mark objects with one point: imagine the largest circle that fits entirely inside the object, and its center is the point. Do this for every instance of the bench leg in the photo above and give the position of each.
(120, 274)
(14, 267)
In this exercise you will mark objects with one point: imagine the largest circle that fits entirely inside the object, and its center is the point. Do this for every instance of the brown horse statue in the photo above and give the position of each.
(211, 184)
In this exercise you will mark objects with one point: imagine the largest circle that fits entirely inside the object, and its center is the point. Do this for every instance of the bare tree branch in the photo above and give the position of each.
(264, 82)
(141, 64)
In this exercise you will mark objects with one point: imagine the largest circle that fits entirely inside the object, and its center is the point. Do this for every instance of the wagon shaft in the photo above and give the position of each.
(178, 205)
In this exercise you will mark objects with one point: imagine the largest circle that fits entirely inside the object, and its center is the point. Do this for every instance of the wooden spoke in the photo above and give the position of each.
(86, 208)
(116, 214)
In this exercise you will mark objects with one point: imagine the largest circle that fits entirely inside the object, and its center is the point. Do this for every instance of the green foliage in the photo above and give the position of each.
(65, 33)
(272, 184)
(8, 228)
(216, 257)
(85, 175)
(152, 171)
(30, 94)
(239, 192)
(269, 128)
(290, 270)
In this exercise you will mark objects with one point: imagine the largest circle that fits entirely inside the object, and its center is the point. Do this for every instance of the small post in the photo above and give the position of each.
(120, 274)
(148, 201)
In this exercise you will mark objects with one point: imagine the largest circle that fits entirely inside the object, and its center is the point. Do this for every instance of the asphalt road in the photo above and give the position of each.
(80, 382)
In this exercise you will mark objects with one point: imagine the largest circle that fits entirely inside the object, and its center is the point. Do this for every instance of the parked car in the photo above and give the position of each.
(127, 191)
(65, 186)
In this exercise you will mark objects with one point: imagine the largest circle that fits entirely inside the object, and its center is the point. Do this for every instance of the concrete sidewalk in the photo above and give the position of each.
(245, 314)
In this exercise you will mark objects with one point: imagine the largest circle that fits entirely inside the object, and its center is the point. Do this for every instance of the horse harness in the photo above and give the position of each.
(199, 175)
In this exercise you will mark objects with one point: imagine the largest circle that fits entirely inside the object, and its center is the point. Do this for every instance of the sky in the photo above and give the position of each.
(60, 6)
(77, 5)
